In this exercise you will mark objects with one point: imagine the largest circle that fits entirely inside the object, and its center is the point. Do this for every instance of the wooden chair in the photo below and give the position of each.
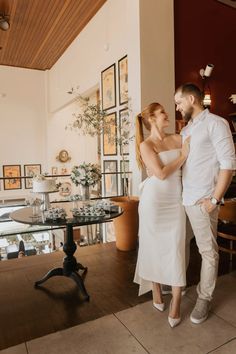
(227, 228)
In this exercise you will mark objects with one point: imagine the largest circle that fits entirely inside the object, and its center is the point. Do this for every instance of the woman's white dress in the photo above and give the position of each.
(161, 255)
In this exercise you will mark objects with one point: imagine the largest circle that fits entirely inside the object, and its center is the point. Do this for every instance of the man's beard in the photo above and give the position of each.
(188, 114)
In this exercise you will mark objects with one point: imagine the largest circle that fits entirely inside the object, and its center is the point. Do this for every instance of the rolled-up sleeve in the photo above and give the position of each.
(222, 141)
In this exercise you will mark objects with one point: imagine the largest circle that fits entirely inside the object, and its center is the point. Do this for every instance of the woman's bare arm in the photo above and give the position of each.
(155, 166)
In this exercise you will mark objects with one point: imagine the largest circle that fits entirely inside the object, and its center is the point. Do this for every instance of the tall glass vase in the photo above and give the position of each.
(85, 192)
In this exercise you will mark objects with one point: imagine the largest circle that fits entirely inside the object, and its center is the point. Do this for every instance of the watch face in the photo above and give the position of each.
(214, 201)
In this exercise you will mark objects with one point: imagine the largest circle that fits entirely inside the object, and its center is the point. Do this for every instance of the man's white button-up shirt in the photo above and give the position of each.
(211, 149)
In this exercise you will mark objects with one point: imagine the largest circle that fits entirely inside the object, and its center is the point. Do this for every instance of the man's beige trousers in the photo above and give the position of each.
(204, 227)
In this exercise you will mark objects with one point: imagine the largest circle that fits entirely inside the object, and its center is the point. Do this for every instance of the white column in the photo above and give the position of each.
(151, 61)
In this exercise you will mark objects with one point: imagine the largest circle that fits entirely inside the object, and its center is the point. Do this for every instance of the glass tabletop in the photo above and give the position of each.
(25, 216)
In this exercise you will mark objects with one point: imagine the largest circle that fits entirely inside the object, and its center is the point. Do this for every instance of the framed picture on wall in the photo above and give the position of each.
(124, 166)
(123, 80)
(111, 178)
(31, 170)
(110, 139)
(108, 86)
(11, 172)
(125, 128)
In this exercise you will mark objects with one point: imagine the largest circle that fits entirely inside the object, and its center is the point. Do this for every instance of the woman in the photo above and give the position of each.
(161, 256)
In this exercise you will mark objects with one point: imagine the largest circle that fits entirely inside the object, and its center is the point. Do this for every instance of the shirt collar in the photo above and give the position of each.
(199, 117)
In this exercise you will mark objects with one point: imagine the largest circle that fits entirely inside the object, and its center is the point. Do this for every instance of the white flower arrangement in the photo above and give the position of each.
(86, 174)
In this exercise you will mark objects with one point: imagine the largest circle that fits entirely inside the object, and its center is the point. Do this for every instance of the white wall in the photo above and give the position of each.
(102, 43)
(23, 120)
(80, 148)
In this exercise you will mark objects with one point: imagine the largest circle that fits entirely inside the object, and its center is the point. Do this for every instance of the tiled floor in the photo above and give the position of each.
(142, 329)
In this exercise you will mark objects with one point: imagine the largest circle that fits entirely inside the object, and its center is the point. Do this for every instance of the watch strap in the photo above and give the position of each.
(214, 201)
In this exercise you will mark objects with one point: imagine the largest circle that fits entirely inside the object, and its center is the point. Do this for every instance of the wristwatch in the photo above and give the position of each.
(214, 201)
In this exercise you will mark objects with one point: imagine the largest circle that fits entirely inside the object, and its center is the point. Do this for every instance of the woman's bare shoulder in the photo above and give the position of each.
(176, 139)
(147, 144)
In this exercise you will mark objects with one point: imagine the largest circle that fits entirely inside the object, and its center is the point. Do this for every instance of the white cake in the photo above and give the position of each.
(45, 185)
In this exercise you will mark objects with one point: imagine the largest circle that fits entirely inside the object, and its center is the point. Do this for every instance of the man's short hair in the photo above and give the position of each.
(191, 89)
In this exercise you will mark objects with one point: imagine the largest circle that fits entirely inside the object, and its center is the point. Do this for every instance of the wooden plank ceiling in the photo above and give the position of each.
(41, 30)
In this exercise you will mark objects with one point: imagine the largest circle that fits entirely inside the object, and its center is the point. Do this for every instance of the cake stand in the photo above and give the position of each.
(45, 199)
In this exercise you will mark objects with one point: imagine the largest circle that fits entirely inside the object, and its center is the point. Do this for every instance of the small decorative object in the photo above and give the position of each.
(54, 170)
(89, 210)
(55, 213)
(86, 175)
(35, 203)
(36, 207)
(31, 171)
(12, 172)
(63, 156)
(64, 171)
(65, 189)
(107, 205)
(108, 82)
(123, 80)
(75, 199)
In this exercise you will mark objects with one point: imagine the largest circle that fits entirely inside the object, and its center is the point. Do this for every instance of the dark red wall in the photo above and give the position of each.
(205, 32)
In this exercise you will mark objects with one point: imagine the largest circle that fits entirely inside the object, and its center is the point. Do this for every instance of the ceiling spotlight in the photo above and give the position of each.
(4, 22)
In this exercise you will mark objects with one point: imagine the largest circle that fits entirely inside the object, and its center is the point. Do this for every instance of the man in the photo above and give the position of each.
(207, 174)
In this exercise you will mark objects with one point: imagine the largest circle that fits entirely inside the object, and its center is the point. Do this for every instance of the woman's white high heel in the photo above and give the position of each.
(160, 307)
(173, 322)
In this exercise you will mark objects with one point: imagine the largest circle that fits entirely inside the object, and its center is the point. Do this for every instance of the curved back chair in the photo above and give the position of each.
(227, 228)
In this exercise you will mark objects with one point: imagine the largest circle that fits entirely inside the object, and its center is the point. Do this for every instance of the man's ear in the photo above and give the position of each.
(192, 99)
